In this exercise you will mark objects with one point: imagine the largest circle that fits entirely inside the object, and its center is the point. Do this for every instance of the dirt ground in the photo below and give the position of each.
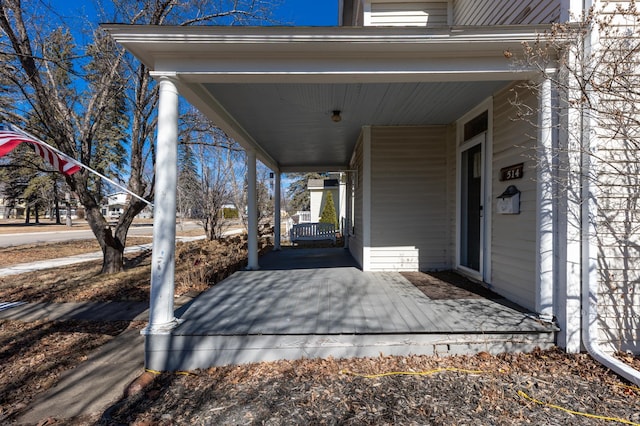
(544, 387)
(508, 389)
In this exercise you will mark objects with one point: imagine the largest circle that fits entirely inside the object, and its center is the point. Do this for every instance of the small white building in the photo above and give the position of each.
(116, 203)
(318, 190)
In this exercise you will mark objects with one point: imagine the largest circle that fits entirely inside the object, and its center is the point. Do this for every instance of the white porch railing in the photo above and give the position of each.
(303, 217)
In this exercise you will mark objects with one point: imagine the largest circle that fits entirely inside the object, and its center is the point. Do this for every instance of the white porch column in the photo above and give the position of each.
(161, 317)
(545, 207)
(277, 231)
(348, 199)
(252, 212)
(366, 198)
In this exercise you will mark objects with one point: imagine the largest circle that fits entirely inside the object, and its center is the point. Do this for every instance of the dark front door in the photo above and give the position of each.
(471, 207)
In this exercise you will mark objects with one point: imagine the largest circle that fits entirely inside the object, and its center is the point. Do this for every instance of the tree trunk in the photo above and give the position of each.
(210, 232)
(113, 258)
(57, 203)
(27, 218)
(112, 247)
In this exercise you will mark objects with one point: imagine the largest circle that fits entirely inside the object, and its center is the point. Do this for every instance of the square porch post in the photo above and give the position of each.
(161, 318)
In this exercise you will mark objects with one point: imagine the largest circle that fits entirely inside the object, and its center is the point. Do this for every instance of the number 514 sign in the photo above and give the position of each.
(512, 172)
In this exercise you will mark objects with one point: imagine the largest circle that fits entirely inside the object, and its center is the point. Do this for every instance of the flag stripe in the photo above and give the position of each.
(64, 164)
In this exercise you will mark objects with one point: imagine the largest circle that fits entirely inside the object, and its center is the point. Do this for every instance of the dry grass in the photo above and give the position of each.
(33, 355)
(200, 264)
(18, 227)
(15, 255)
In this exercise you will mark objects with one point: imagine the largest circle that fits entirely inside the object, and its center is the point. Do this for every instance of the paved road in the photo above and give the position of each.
(64, 234)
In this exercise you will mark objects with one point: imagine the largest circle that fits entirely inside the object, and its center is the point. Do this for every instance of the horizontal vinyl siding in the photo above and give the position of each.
(395, 259)
(618, 230)
(422, 13)
(513, 245)
(451, 158)
(500, 12)
(619, 242)
(409, 198)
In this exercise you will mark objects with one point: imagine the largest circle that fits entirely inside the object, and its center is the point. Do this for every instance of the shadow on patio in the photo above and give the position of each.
(317, 303)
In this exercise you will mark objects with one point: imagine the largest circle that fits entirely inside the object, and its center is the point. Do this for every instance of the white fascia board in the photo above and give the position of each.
(124, 34)
(149, 43)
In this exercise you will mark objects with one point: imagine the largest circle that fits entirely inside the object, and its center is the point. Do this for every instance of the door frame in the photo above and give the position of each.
(484, 274)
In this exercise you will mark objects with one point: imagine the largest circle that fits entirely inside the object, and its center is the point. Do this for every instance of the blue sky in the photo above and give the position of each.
(309, 12)
(290, 12)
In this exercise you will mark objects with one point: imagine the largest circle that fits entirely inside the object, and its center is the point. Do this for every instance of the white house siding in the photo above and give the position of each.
(513, 245)
(452, 202)
(502, 12)
(410, 218)
(619, 256)
(407, 13)
(618, 230)
(355, 240)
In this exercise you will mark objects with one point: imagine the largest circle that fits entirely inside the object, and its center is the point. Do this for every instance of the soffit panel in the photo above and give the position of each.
(292, 122)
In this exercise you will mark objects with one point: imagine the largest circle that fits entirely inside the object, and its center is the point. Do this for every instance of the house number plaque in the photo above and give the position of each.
(512, 172)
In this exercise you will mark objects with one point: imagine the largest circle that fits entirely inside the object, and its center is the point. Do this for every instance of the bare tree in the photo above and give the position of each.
(215, 191)
(204, 181)
(239, 190)
(78, 105)
(593, 67)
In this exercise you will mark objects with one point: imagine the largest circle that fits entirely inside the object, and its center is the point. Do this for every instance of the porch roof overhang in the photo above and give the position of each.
(274, 89)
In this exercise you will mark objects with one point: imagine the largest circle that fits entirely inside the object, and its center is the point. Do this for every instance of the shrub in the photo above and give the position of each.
(229, 213)
(329, 212)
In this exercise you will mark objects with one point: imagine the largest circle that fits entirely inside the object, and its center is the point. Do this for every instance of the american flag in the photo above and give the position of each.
(11, 136)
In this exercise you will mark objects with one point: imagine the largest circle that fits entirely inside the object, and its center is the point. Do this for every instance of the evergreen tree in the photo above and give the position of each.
(329, 211)
(298, 193)
(108, 152)
(189, 188)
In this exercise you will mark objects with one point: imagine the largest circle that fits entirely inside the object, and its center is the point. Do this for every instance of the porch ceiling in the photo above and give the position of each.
(274, 89)
(292, 122)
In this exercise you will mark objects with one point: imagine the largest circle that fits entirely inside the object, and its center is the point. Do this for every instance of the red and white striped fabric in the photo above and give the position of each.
(10, 138)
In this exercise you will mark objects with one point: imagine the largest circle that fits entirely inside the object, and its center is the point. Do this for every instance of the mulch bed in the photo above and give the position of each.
(508, 389)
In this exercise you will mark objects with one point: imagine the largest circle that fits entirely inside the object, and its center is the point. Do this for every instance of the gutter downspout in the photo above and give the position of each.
(589, 272)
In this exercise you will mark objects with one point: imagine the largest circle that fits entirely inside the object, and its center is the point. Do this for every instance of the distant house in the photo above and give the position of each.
(318, 190)
(9, 209)
(412, 100)
(114, 205)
